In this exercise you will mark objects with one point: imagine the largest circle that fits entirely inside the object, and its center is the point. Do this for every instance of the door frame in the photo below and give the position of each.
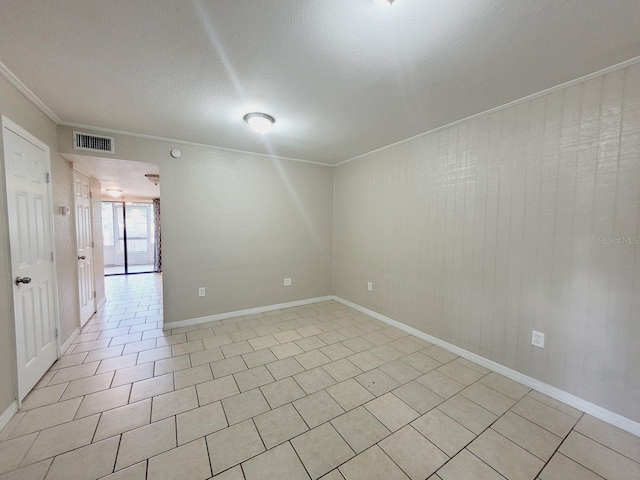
(76, 168)
(21, 132)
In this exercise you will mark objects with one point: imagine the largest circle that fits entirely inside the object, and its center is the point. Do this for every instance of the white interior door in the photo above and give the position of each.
(27, 170)
(84, 243)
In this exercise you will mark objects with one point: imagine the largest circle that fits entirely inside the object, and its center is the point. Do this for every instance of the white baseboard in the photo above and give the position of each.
(239, 313)
(8, 414)
(65, 346)
(603, 414)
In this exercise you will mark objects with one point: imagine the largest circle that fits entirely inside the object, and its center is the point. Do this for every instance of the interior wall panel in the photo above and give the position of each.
(525, 218)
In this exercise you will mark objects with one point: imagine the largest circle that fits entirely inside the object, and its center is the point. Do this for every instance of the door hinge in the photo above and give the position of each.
(47, 177)
(57, 333)
(94, 294)
(93, 245)
(90, 194)
(51, 256)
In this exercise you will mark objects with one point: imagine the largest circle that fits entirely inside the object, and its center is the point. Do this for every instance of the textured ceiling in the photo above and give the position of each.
(341, 77)
(125, 175)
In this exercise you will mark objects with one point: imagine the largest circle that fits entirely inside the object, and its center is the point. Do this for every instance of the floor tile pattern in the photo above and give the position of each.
(317, 391)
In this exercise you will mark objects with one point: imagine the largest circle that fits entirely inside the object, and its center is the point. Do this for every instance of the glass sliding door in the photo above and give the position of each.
(140, 237)
(129, 237)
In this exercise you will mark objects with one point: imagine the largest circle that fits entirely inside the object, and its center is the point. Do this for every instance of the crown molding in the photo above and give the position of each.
(570, 83)
(185, 142)
(33, 98)
(24, 90)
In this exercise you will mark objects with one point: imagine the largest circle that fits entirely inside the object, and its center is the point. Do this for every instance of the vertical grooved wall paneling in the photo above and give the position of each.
(525, 218)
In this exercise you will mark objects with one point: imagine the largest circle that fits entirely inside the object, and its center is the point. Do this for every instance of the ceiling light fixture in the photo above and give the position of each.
(153, 178)
(385, 2)
(259, 122)
(114, 192)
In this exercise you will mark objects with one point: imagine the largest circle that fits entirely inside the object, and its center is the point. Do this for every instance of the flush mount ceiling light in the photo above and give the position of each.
(114, 192)
(385, 2)
(259, 122)
(153, 178)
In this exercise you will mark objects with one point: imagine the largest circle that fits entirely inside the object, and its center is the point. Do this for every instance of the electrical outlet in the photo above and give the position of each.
(370, 286)
(201, 292)
(537, 339)
(287, 282)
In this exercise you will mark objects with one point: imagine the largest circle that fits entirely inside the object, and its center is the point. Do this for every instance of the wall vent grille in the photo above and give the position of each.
(93, 143)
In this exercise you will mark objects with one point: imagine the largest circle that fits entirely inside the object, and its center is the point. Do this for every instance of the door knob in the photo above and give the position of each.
(24, 280)
(82, 257)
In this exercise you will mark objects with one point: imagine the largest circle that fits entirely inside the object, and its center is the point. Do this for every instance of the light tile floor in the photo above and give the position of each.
(320, 391)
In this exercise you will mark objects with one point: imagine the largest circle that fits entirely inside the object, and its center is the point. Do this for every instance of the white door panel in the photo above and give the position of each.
(84, 243)
(31, 243)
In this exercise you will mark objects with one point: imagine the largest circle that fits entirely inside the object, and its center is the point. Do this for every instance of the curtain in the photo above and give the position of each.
(156, 211)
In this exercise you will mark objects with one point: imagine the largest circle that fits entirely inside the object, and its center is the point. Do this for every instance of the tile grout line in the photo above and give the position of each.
(480, 459)
(599, 443)
(557, 450)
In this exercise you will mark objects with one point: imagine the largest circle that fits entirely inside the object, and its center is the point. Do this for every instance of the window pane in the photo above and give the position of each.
(107, 224)
(140, 251)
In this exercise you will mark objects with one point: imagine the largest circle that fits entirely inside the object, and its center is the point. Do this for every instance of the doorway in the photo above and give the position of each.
(29, 209)
(84, 245)
(130, 240)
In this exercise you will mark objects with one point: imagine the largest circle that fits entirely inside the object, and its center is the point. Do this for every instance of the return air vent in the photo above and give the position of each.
(93, 143)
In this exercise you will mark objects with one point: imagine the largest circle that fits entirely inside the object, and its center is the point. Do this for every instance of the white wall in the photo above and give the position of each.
(483, 231)
(237, 224)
